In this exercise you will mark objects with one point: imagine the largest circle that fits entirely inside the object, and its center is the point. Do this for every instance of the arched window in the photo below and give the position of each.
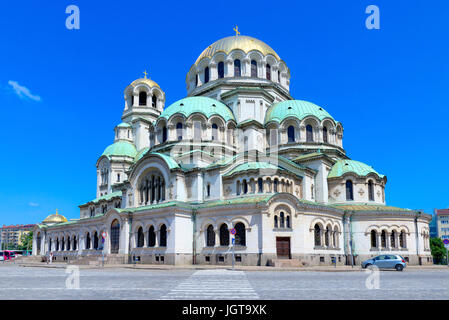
(163, 236)
(309, 133)
(74, 242)
(115, 236)
(238, 191)
(164, 133)
(291, 134)
(240, 235)
(224, 235)
(88, 241)
(282, 220)
(179, 130)
(151, 237)
(287, 219)
(275, 184)
(268, 72)
(370, 190)
(140, 238)
(210, 236)
(196, 80)
(327, 236)
(373, 239)
(68, 243)
(402, 240)
(49, 245)
(197, 131)
(325, 134)
(142, 98)
(221, 69)
(237, 68)
(276, 221)
(62, 245)
(279, 76)
(253, 68)
(92, 211)
(154, 101)
(214, 132)
(260, 185)
(383, 239)
(393, 239)
(349, 191)
(245, 187)
(317, 235)
(57, 244)
(206, 75)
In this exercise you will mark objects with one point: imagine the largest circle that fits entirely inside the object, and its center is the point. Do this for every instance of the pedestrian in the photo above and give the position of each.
(51, 257)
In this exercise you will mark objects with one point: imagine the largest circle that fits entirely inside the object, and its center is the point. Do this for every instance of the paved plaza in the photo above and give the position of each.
(17, 282)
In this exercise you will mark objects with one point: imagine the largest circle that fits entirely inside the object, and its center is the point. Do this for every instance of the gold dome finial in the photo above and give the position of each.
(236, 29)
(145, 73)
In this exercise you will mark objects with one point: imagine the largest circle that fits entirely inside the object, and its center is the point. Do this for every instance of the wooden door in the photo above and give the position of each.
(283, 247)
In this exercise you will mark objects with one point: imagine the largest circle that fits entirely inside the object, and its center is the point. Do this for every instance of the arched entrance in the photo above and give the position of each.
(38, 244)
(115, 236)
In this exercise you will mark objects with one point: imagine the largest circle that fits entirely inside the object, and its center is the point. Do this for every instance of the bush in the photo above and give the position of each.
(438, 250)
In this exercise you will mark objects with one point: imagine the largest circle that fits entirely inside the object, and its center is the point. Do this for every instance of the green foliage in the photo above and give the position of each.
(27, 241)
(438, 250)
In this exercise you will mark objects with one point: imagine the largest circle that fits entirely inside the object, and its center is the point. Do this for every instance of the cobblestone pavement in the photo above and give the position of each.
(54, 283)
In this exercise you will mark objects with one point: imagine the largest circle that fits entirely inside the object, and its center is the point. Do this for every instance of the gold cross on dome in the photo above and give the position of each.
(236, 29)
(145, 73)
(57, 211)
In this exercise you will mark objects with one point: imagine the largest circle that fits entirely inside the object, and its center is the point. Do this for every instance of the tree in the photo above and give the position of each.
(438, 250)
(27, 241)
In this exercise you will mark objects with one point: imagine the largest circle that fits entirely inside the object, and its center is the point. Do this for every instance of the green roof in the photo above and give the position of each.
(351, 166)
(251, 166)
(124, 125)
(172, 164)
(295, 108)
(369, 207)
(106, 197)
(141, 153)
(121, 148)
(206, 106)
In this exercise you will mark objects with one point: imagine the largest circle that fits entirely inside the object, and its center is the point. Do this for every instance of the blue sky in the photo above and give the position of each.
(388, 87)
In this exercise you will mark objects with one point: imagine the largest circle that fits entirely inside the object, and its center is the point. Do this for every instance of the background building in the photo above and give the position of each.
(10, 236)
(442, 223)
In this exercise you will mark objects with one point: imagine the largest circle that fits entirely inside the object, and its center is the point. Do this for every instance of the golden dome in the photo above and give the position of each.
(54, 218)
(147, 81)
(244, 43)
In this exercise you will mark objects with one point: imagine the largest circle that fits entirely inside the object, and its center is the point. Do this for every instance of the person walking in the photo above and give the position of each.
(51, 257)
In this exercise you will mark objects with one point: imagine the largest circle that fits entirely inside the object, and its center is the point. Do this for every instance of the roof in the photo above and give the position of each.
(295, 108)
(124, 125)
(244, 43)
(251, 166)
(54, 218)
(121, 148)
(369, 207)
(342, 167)
(147, 81)
(442, 212)
(204, 105)
(106, 197)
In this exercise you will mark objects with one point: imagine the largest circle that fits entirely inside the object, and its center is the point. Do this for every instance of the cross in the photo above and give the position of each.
(236, 29)
(145, 73)
(57, 211)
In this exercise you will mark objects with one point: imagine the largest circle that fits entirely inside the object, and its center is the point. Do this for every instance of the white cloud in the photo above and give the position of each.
(33, 204)
(23, 92)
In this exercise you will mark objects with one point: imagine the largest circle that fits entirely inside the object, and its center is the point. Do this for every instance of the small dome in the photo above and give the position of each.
(351, 166)
(147, 81)
(295, 108)
(124, 125)
(121, 148)
(244, 43)
(54, 218)
(206, 106)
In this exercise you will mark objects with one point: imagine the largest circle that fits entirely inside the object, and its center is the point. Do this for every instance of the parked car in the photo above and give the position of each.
(386, 261)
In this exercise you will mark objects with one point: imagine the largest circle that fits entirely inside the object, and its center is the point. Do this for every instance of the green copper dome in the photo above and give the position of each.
(345, 166)
(124, 125)
(295, 108)
(206, 106)
(121, 148)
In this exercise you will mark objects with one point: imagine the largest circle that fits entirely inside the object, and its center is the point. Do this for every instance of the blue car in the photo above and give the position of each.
(386, 261)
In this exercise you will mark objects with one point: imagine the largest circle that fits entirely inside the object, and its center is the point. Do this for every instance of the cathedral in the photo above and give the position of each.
(237, 171)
